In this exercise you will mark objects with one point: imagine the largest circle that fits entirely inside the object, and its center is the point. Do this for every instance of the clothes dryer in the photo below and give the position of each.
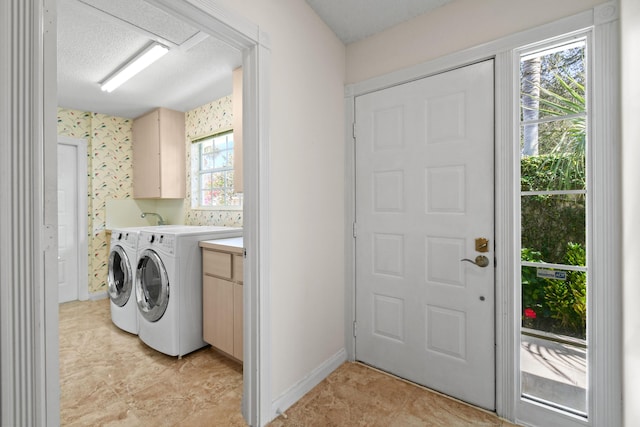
(121, 278)
(169, 286)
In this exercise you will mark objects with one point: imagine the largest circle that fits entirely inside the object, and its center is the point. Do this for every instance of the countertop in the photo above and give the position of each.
(234, 244)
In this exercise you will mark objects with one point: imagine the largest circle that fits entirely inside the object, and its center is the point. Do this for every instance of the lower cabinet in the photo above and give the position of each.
(222, 301)
(237, 321)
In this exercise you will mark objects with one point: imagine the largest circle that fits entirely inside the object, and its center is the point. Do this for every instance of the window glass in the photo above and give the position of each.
(212, 173)
(550, 222)
(553, 235)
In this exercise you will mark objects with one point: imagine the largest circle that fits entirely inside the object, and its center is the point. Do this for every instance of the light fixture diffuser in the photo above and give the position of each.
(145, 58)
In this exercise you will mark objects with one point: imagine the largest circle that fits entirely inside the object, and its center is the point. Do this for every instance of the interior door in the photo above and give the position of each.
(68, 268)
(424, 194)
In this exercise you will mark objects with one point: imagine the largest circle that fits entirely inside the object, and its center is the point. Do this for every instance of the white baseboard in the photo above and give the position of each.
(98, 296)
(295, 392)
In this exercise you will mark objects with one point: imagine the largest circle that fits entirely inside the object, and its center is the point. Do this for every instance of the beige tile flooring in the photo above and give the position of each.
(110, 378)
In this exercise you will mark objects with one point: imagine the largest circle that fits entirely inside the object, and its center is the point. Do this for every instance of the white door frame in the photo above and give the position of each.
(30, 392)
(81, 208)
(605, 301)
(255, 47)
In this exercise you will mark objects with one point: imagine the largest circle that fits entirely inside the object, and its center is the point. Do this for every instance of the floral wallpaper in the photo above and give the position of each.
(109, 172)
(208, 119)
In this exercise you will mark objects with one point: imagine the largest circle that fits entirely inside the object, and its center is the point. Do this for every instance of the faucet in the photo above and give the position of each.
(160, 219)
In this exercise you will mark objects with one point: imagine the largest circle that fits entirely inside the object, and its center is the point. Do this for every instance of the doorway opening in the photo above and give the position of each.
(242, 36)
(72, 219)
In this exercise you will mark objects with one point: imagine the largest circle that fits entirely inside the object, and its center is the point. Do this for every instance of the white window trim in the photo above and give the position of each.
(530, 412)
(218, 208)
(195, 172)
(605, 302)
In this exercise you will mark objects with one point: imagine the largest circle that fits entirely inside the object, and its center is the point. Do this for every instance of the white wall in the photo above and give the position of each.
(456, 26)
(307, 187)
(309, 67)
(630, 23)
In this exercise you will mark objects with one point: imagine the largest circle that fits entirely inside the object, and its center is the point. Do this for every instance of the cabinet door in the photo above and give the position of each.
(238, 274)
(217, 313)
(216, 264)
(172, 154)
(237, 321)
(146, 156)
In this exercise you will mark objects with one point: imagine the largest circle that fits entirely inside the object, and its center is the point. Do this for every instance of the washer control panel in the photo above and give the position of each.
(164, 242)
(127, 239)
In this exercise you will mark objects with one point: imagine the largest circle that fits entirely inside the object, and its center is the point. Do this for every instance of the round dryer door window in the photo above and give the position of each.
(120, 278)
(152, 286)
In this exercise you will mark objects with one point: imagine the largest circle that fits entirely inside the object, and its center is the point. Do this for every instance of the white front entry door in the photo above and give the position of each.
(424, 193)
(68, 271)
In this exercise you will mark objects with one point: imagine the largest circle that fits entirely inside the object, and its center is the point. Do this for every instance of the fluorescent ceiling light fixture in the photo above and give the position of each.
(145, 58)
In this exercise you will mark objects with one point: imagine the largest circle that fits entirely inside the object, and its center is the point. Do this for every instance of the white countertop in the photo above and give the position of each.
(233, 244)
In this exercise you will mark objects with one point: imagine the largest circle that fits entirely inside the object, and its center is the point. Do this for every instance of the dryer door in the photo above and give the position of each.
(120, 279)
(152, 286)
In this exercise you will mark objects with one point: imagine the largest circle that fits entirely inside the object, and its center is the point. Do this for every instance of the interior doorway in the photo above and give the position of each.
(242, 35)
(72, 219)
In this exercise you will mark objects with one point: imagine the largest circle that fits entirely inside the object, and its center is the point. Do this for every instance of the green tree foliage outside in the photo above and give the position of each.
(553, 225)
(553, 305)
(549, 221)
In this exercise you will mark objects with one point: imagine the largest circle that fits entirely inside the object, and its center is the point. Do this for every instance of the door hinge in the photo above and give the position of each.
(353, 130)
(355, 328)
(244, 252)
(355, 230)
(48, 237)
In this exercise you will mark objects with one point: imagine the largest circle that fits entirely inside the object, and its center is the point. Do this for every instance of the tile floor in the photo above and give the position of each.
(110, 378)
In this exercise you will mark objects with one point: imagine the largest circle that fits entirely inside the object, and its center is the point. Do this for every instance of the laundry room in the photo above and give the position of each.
(157, 153)
(97, 39)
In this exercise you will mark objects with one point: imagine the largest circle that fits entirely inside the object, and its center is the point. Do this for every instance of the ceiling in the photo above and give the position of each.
(96, 37)
(353, 20)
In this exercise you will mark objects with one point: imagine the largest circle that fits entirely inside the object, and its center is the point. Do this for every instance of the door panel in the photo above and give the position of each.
(424, 192)
(68, 269)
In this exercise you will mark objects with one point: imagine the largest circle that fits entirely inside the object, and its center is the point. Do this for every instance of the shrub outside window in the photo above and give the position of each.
(554, 194)
(212, 173)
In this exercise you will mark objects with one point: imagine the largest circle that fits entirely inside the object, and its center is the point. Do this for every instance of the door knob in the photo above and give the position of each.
(480, 261)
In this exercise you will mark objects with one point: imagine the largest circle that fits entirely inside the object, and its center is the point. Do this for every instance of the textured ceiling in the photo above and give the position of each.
(95, 37)
(353, 20)
(147, 17)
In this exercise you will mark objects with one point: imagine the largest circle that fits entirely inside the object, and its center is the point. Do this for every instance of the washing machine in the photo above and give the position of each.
(169, 286)
(121, 278)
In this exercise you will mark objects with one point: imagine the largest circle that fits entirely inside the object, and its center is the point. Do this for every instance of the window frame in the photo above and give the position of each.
(197, 173)
(530, 404)
(603, 229)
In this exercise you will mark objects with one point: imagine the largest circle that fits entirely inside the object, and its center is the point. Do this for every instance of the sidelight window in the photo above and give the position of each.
(554, 196)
